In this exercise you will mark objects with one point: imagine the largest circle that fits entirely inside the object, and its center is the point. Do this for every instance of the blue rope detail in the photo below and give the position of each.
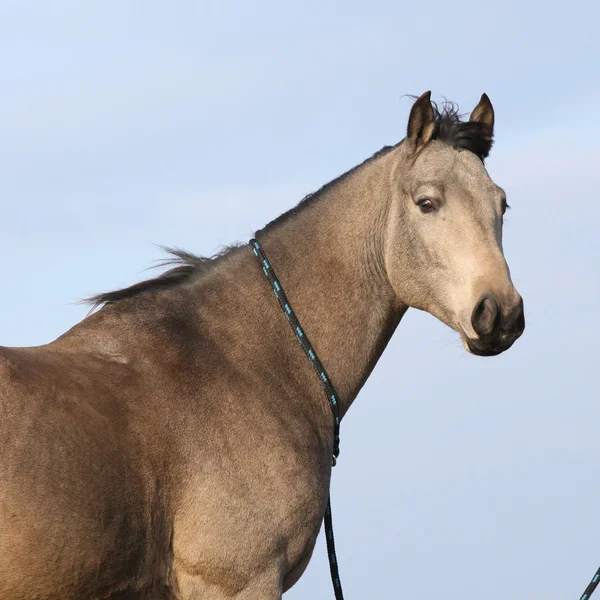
(589, 590)
(302, 338)
(330, 392)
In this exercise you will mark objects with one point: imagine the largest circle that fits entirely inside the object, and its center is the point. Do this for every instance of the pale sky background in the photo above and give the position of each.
(125, 124)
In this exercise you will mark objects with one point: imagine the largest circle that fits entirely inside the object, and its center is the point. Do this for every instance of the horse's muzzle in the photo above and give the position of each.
(497, 329)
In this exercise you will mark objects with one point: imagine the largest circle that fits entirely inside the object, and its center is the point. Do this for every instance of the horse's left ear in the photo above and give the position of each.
(484, 113)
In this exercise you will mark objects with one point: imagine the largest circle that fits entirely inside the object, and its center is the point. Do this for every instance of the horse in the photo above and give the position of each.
(176, 445)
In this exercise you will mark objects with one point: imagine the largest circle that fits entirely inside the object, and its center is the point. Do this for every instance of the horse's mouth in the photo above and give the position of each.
(484, 351)
(488, 348)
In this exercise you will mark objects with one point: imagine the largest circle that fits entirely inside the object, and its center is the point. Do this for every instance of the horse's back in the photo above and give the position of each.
(75, 514)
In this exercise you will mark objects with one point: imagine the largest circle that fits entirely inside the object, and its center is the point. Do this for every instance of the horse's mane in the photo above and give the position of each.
(184, 265)
(449, 129)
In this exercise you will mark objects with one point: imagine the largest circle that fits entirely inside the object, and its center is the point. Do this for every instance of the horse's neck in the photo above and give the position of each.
(329, 259)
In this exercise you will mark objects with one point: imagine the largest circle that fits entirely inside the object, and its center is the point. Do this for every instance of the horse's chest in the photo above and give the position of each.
(254, 513)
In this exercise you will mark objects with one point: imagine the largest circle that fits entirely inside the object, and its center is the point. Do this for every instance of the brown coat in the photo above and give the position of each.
(176, 444)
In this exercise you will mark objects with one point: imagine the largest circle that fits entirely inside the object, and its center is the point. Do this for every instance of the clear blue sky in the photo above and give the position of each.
(124, 124)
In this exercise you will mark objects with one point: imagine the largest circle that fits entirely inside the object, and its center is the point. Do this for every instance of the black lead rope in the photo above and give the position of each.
(326, 383)
(589, 590)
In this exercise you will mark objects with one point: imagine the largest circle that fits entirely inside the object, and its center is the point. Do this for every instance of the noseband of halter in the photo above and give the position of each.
(328, 388)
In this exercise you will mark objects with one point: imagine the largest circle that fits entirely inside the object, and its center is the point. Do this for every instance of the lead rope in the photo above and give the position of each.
(332, 398)
(589, 590)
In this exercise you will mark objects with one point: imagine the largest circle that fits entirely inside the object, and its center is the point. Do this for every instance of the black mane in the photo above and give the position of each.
(184, 266)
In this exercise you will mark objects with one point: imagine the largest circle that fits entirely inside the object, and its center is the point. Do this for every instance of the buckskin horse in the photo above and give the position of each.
(176, 443)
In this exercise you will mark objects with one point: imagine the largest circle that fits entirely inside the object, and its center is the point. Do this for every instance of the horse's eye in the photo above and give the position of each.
(505, 206)
(426, 205)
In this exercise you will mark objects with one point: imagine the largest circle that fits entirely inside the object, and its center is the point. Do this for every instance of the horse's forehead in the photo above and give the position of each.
(453, 170)
(470, 167)
(451, 163)
(464, 170)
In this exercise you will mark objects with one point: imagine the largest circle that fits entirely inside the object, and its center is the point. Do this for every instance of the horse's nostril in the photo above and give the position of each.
(485, 316)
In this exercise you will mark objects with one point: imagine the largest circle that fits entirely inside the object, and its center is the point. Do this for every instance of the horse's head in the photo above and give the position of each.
(444, 244)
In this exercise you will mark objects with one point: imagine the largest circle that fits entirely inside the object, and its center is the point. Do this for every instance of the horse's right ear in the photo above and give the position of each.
(484, 113)
(421, 123)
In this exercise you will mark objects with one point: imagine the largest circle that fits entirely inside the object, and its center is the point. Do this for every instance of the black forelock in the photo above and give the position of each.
(463, 135)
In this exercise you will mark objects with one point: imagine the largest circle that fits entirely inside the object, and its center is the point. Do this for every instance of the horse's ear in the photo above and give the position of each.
(484, 113)
(421, 123)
